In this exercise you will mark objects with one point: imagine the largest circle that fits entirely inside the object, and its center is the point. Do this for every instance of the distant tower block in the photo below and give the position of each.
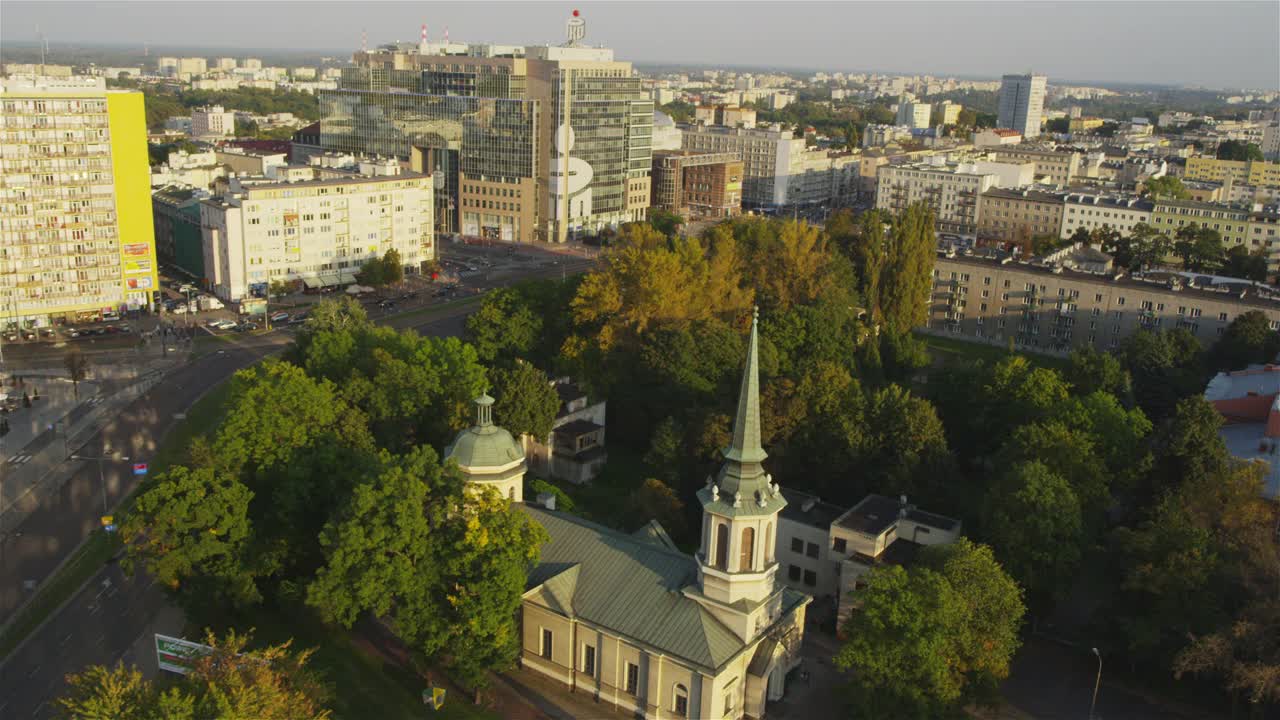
(576, 28)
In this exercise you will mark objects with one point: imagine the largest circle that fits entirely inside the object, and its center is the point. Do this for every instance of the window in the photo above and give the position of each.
(633, 679)
(589, 660)
(839, 545)
(680, 701)
(546, 643)
(722, 546)
(768, 543)
(811, 550)
(797, 545)
(746, 554)
(810, 578)
(793, 572)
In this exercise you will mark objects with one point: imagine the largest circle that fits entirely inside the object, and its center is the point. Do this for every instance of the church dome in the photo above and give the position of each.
(485, 448)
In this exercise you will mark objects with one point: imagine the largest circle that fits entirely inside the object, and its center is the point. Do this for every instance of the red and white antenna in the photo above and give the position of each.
(422, 44)
(364, 41)
(446, 34)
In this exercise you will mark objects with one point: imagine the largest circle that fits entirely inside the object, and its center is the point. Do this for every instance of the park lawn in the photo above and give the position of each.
(363, 684)
(950, 351)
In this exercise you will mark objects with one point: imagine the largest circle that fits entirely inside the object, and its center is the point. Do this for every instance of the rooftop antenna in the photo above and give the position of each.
(446, 35)
(364, 40)
(422, 44)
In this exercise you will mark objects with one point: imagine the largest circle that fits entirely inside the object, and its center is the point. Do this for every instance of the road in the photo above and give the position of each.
(33, 676)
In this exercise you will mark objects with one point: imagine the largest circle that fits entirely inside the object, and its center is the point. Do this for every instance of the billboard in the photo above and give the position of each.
(253, 306)
(137, 259)
(138, 283)
(178, 655)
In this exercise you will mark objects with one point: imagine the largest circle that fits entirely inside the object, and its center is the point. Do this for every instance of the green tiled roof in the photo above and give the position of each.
(629, 586)
(484, 445)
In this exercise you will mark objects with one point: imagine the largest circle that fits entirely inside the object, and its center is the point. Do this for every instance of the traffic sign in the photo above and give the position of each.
(109, 528)
(139, 468)
(107, 520)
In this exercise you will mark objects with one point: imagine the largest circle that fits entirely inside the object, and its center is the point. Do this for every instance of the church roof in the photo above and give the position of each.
(630, 586)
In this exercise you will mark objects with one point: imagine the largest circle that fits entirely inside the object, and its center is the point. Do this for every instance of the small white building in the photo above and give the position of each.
(823, 550)
(213, 121)
(575, 450)
(314, 232)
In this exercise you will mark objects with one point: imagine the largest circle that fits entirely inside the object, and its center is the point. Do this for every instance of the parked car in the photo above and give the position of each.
(279, 317)
(226, 324)
(28, 335)
(48, 333)
(246, 326)
(179, 309)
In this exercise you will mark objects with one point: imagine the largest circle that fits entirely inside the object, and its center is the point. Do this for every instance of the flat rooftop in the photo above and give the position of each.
(1253, 380)
(818, 514)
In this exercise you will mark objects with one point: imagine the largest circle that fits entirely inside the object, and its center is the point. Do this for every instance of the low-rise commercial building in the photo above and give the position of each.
(179, 241)
(1082, 125)
(996, 137)
(315, 233)
(1247, 401)
(1071, 301)
(1095, 211)
(695, 184)
(1017, 216)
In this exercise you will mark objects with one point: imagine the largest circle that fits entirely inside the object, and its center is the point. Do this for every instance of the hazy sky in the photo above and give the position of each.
(1218, 44)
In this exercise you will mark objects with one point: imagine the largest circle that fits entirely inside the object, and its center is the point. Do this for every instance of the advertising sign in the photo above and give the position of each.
(138, 283)
(135, 267)
(253, 306)
(178, 655)
(139, 468)
(137, 250)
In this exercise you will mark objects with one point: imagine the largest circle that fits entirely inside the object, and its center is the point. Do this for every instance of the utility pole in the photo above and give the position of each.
(102, 480)
(1097, 682)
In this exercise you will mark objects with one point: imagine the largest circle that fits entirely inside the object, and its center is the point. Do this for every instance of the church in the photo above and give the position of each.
(634, 622)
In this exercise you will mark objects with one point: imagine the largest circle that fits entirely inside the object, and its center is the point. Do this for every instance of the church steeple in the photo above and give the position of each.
(742, 472)
(746, 425)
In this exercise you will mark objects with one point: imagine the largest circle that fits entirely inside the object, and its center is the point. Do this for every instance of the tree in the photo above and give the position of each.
(1248, 339)
(1089, 370)
(504, 328)
(120, 693)
(277, 289)
(655, 500)
(373, 273)
(1034, 522)
(851, 139)
(667, 223)
(1239, 150)
(1240, 263)
(905, 446)
(867, 251)
(907, 279)
(1200, 248)
(1168, 186)
(926, 640)
(643, 235)
(1165, 367)
(392, 267)
(1060, 126)
(77, 366)
(527, 402)
(192, 533)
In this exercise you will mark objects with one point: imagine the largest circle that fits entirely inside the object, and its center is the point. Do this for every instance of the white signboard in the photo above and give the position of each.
(178, 655)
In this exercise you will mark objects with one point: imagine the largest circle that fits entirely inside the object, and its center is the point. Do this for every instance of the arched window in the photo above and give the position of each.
(511, 493)
(680, 699)
(768, 543)
(747, 552)
(722, 546)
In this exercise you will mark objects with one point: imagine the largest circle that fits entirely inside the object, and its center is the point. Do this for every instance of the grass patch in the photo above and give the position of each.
(364, 684)
(86, 561)
(201, 419)
(952, 351)
(431, 309)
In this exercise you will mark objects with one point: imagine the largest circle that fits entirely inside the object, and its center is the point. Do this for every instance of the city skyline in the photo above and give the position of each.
(921, 37)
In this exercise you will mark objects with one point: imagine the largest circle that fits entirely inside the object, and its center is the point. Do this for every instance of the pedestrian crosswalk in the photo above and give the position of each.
(19, 459)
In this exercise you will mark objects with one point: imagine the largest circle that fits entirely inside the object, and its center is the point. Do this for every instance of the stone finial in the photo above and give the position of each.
(737, 499)
(715, 492)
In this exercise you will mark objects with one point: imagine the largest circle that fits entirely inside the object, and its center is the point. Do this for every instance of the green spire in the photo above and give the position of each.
(745, 447)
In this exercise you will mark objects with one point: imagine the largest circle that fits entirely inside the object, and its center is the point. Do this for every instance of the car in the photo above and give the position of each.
(11, 336)
(179, 309)
(226, 325)
(279, 317)
(47, 332)
(28, 335)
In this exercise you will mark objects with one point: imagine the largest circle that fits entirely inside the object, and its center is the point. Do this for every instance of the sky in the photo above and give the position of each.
(1207, 43)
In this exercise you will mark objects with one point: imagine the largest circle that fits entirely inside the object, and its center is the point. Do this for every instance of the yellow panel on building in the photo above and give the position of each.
(131, 173)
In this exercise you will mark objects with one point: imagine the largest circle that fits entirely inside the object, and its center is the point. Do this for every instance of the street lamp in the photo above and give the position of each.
(102, 480)
(1096, 683)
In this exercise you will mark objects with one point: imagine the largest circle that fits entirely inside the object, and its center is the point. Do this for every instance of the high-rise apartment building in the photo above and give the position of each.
(76, 240)
(1021, 103)
(526, 143)
(312, 232)
(914, 115)
(212, 121)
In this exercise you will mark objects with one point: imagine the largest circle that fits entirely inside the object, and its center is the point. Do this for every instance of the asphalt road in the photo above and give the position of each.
(100, 623)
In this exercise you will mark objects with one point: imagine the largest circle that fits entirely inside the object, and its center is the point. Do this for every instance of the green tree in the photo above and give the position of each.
(667, 223)
(904, 446)
(527, 402)
(851, 140)
(503, 328)
(1061, 126)
(867, 251)
(77, 366)
(1165, 367)
(1089, 370)
(1200, 248)
(1248, 339)
(907, 278)
(191, 531)
(277, 289)
(666, 449)
(120, 693)
(1239, 150)
(392, 267)
(655, 500)
(1034, 522)
(927, 640)
(373, 273)
(1168, 186)
(1240, 263)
